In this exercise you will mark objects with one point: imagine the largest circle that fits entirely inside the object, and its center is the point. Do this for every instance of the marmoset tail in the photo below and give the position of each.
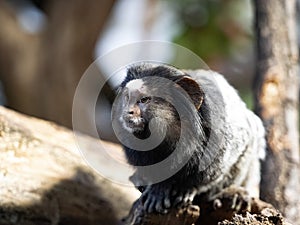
(187, 133)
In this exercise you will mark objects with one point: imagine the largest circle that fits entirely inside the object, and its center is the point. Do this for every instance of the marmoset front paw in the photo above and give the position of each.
(155, 199)
(233, 199)
(160, 199)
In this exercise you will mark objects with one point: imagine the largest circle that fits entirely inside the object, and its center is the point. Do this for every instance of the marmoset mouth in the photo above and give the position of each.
(134, 124)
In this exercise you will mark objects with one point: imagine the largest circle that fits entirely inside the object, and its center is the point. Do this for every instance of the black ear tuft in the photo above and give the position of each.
(193, 89)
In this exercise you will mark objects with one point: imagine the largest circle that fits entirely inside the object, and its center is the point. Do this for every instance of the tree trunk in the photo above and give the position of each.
(277, 88)
(41, 71)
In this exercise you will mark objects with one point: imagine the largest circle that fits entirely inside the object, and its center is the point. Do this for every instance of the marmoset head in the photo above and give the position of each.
(147, 93)
(140, 107)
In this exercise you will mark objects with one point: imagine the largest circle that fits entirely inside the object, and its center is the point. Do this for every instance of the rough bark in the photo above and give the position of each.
(45, 181)
(233, 206)
(277, 88)
(40, 71)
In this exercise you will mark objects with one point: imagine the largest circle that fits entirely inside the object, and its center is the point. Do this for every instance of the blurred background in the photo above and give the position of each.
(46, 46)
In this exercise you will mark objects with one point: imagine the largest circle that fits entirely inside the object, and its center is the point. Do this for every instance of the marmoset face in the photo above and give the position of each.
(139, 108)
(135, 104)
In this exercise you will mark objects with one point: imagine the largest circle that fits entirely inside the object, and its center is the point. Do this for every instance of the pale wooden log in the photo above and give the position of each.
(45, 180)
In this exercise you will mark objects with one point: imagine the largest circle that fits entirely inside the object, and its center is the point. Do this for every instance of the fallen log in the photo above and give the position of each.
(44, 179)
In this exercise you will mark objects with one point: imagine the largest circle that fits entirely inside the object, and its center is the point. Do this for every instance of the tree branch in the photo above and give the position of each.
(69, 43)
(45, 68)
(11, 34)
(15, 43)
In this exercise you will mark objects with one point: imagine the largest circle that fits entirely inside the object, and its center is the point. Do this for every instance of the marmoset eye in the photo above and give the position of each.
(145, 99)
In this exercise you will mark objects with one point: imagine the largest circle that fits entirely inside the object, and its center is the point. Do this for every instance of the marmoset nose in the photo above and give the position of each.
(134, 110)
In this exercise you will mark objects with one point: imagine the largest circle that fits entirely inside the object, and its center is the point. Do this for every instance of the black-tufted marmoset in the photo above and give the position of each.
(197, 115)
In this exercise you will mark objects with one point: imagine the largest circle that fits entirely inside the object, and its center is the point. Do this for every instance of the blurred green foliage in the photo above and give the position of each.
(220, 32)
(212, 28)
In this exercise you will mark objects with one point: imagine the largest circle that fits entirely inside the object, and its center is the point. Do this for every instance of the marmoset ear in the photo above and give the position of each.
(193, 89)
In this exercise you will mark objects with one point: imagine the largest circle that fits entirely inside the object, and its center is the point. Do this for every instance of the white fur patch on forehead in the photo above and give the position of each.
(137, 84)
